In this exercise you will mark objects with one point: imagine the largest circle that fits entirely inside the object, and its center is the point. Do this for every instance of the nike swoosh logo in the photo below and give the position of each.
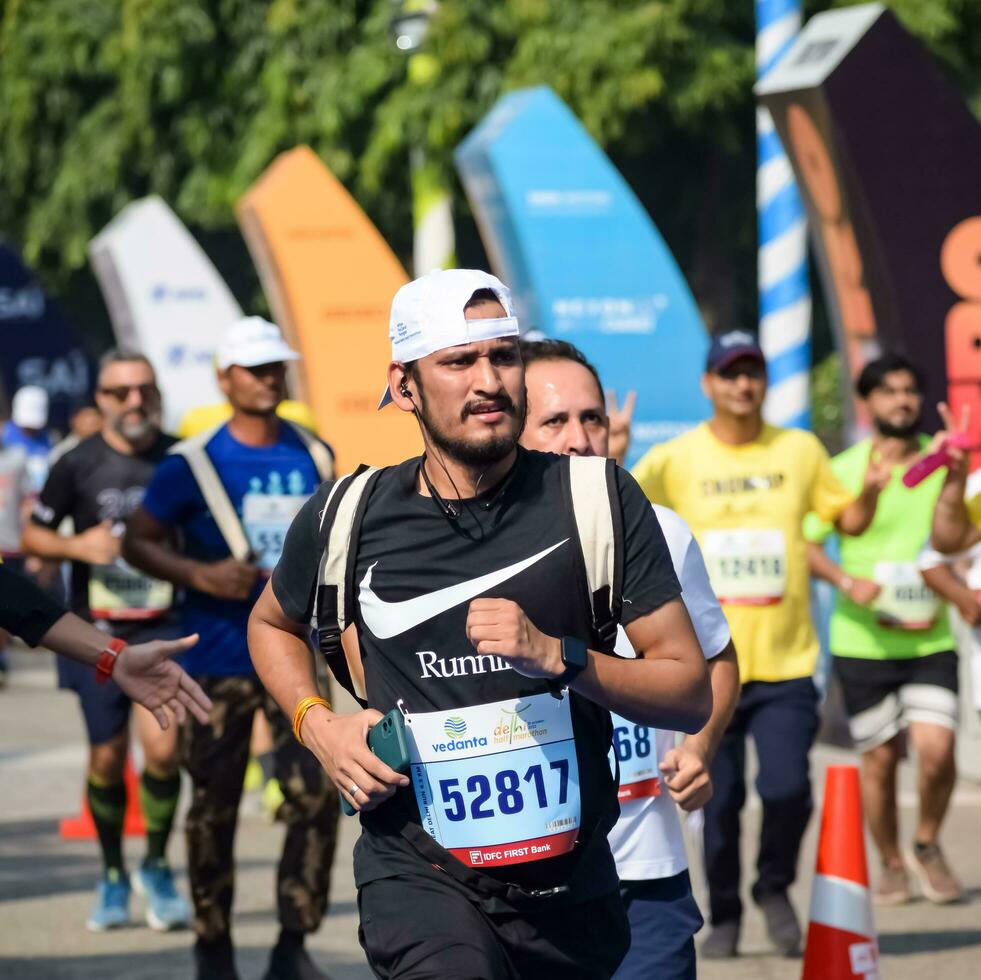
(388, 619)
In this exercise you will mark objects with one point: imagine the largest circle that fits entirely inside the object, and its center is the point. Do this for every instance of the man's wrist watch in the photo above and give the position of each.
(106, 663)
(575, 657)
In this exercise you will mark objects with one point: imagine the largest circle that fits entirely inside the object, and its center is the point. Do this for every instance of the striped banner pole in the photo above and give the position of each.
(785, 298)
(434, 240)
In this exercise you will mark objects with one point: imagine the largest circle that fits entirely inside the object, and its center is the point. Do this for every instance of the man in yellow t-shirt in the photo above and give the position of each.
(211, 416)
(744, 487)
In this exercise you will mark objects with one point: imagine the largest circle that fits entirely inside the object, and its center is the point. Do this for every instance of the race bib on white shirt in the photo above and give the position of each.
(747, 567)
(635, 748)
(497, 784)
(905, 601)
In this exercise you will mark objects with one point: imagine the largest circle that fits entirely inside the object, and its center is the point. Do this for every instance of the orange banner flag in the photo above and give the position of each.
(330, 277)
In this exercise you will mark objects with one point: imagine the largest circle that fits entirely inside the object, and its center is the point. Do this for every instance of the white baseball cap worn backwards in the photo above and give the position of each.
(427, 315)
(252, 341)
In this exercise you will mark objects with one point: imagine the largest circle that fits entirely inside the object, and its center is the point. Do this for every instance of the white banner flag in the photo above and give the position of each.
(165, 299)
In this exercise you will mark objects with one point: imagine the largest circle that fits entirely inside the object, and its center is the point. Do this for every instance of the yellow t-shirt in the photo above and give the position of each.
(746, 505)
(208, 416)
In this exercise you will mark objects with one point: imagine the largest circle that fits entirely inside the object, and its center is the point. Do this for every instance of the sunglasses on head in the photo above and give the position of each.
(122, 392)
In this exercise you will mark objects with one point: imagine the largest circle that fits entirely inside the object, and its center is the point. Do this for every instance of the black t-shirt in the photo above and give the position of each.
(25, 608)
(409, 548)
(90, 484)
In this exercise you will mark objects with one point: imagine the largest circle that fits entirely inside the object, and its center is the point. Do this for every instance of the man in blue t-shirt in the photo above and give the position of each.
(231, 493)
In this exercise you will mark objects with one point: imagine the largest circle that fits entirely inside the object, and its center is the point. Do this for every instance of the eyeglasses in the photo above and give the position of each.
(122, 392)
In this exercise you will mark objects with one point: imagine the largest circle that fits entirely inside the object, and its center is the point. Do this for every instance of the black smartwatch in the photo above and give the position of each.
(575, 657)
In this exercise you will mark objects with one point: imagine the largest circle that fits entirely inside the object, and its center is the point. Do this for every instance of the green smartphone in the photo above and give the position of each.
(387, 740)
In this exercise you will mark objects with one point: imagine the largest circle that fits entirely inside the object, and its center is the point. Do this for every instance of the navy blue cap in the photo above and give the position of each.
(730, 346)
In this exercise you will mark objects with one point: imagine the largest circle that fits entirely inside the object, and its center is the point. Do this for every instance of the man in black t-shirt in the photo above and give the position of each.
(98, 484)
(473, 616)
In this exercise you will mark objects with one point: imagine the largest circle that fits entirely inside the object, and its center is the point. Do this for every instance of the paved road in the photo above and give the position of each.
(46, 883)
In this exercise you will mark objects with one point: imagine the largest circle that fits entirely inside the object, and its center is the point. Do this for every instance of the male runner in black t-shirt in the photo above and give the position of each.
(472, 615)
(98, 484)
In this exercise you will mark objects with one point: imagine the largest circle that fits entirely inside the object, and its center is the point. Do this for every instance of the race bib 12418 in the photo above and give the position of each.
(746, 567)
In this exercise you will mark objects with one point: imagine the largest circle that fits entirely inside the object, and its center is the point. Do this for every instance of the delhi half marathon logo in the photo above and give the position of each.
(454, 727)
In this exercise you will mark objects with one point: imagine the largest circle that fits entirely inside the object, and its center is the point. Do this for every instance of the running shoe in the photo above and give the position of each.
(781, 923)
(292, 963)
(253, 776)
(936, 879)
(721, 942)
(165, 908)
(892, 887)
(214, 960)
(272, 798)
(111, 910)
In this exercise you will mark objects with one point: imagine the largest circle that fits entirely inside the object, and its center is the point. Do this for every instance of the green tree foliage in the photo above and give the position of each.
(103, 101)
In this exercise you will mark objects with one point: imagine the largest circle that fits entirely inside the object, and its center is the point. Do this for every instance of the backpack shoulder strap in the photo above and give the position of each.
(322, 457)
(213, 490)
(596, 509)
(339, 523)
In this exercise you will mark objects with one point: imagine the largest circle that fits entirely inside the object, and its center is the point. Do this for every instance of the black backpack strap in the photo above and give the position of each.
(339, 524)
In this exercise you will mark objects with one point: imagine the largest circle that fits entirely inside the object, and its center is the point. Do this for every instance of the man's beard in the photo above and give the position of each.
(891, 431)
(133, 431)
(476, 454)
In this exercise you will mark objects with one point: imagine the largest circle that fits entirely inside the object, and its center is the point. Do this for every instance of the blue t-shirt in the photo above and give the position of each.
(36, 447)
(267, 486)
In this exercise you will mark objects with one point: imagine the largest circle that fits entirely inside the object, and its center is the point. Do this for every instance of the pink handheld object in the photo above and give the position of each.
(922, 468)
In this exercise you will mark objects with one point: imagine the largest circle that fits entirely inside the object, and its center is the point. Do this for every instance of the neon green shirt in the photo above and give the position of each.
(907, 619)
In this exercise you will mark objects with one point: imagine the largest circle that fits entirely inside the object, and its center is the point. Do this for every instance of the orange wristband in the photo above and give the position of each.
(300, 712)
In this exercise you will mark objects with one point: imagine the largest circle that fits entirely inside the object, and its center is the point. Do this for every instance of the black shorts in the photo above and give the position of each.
(883, 696)
(416, 927)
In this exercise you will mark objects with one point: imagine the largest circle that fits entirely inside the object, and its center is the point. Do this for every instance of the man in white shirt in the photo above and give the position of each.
(566, 414)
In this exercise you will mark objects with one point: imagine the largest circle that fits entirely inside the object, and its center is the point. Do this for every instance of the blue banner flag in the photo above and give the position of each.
(586, 263)
(38, 346)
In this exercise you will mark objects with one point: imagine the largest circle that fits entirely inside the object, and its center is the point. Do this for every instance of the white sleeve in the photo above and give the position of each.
(707, 616)
(931, 558)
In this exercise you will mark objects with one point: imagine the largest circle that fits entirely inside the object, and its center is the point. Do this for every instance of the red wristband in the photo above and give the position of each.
(106, 663)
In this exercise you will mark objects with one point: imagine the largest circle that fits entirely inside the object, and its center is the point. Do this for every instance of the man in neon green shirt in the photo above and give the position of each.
(893, 650)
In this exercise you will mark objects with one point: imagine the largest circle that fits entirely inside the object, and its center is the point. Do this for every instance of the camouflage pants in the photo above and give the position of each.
(215, 756)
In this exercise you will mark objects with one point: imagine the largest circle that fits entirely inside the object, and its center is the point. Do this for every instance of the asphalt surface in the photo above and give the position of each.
(46, 883)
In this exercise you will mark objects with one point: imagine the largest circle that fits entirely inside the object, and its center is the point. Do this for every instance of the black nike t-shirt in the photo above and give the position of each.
(522, 536)
(93, 483)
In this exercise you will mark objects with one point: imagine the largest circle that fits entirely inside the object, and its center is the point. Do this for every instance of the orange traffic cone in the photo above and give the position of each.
(83, 828)
(841, 941)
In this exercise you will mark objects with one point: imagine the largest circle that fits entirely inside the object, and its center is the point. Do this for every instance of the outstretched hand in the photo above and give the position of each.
(146, 674)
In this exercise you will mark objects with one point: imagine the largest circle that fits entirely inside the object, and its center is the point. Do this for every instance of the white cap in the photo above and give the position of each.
(29, 409)
(427, 315)
(252, 341)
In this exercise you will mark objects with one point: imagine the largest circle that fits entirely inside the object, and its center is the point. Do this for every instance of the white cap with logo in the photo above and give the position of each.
(427, 315)
(29, 409)
(252, 341)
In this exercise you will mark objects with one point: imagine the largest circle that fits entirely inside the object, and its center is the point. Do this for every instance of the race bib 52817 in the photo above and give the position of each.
(498, 783)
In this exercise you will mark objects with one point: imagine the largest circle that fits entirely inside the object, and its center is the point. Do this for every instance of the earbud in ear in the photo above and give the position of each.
(404, 389)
